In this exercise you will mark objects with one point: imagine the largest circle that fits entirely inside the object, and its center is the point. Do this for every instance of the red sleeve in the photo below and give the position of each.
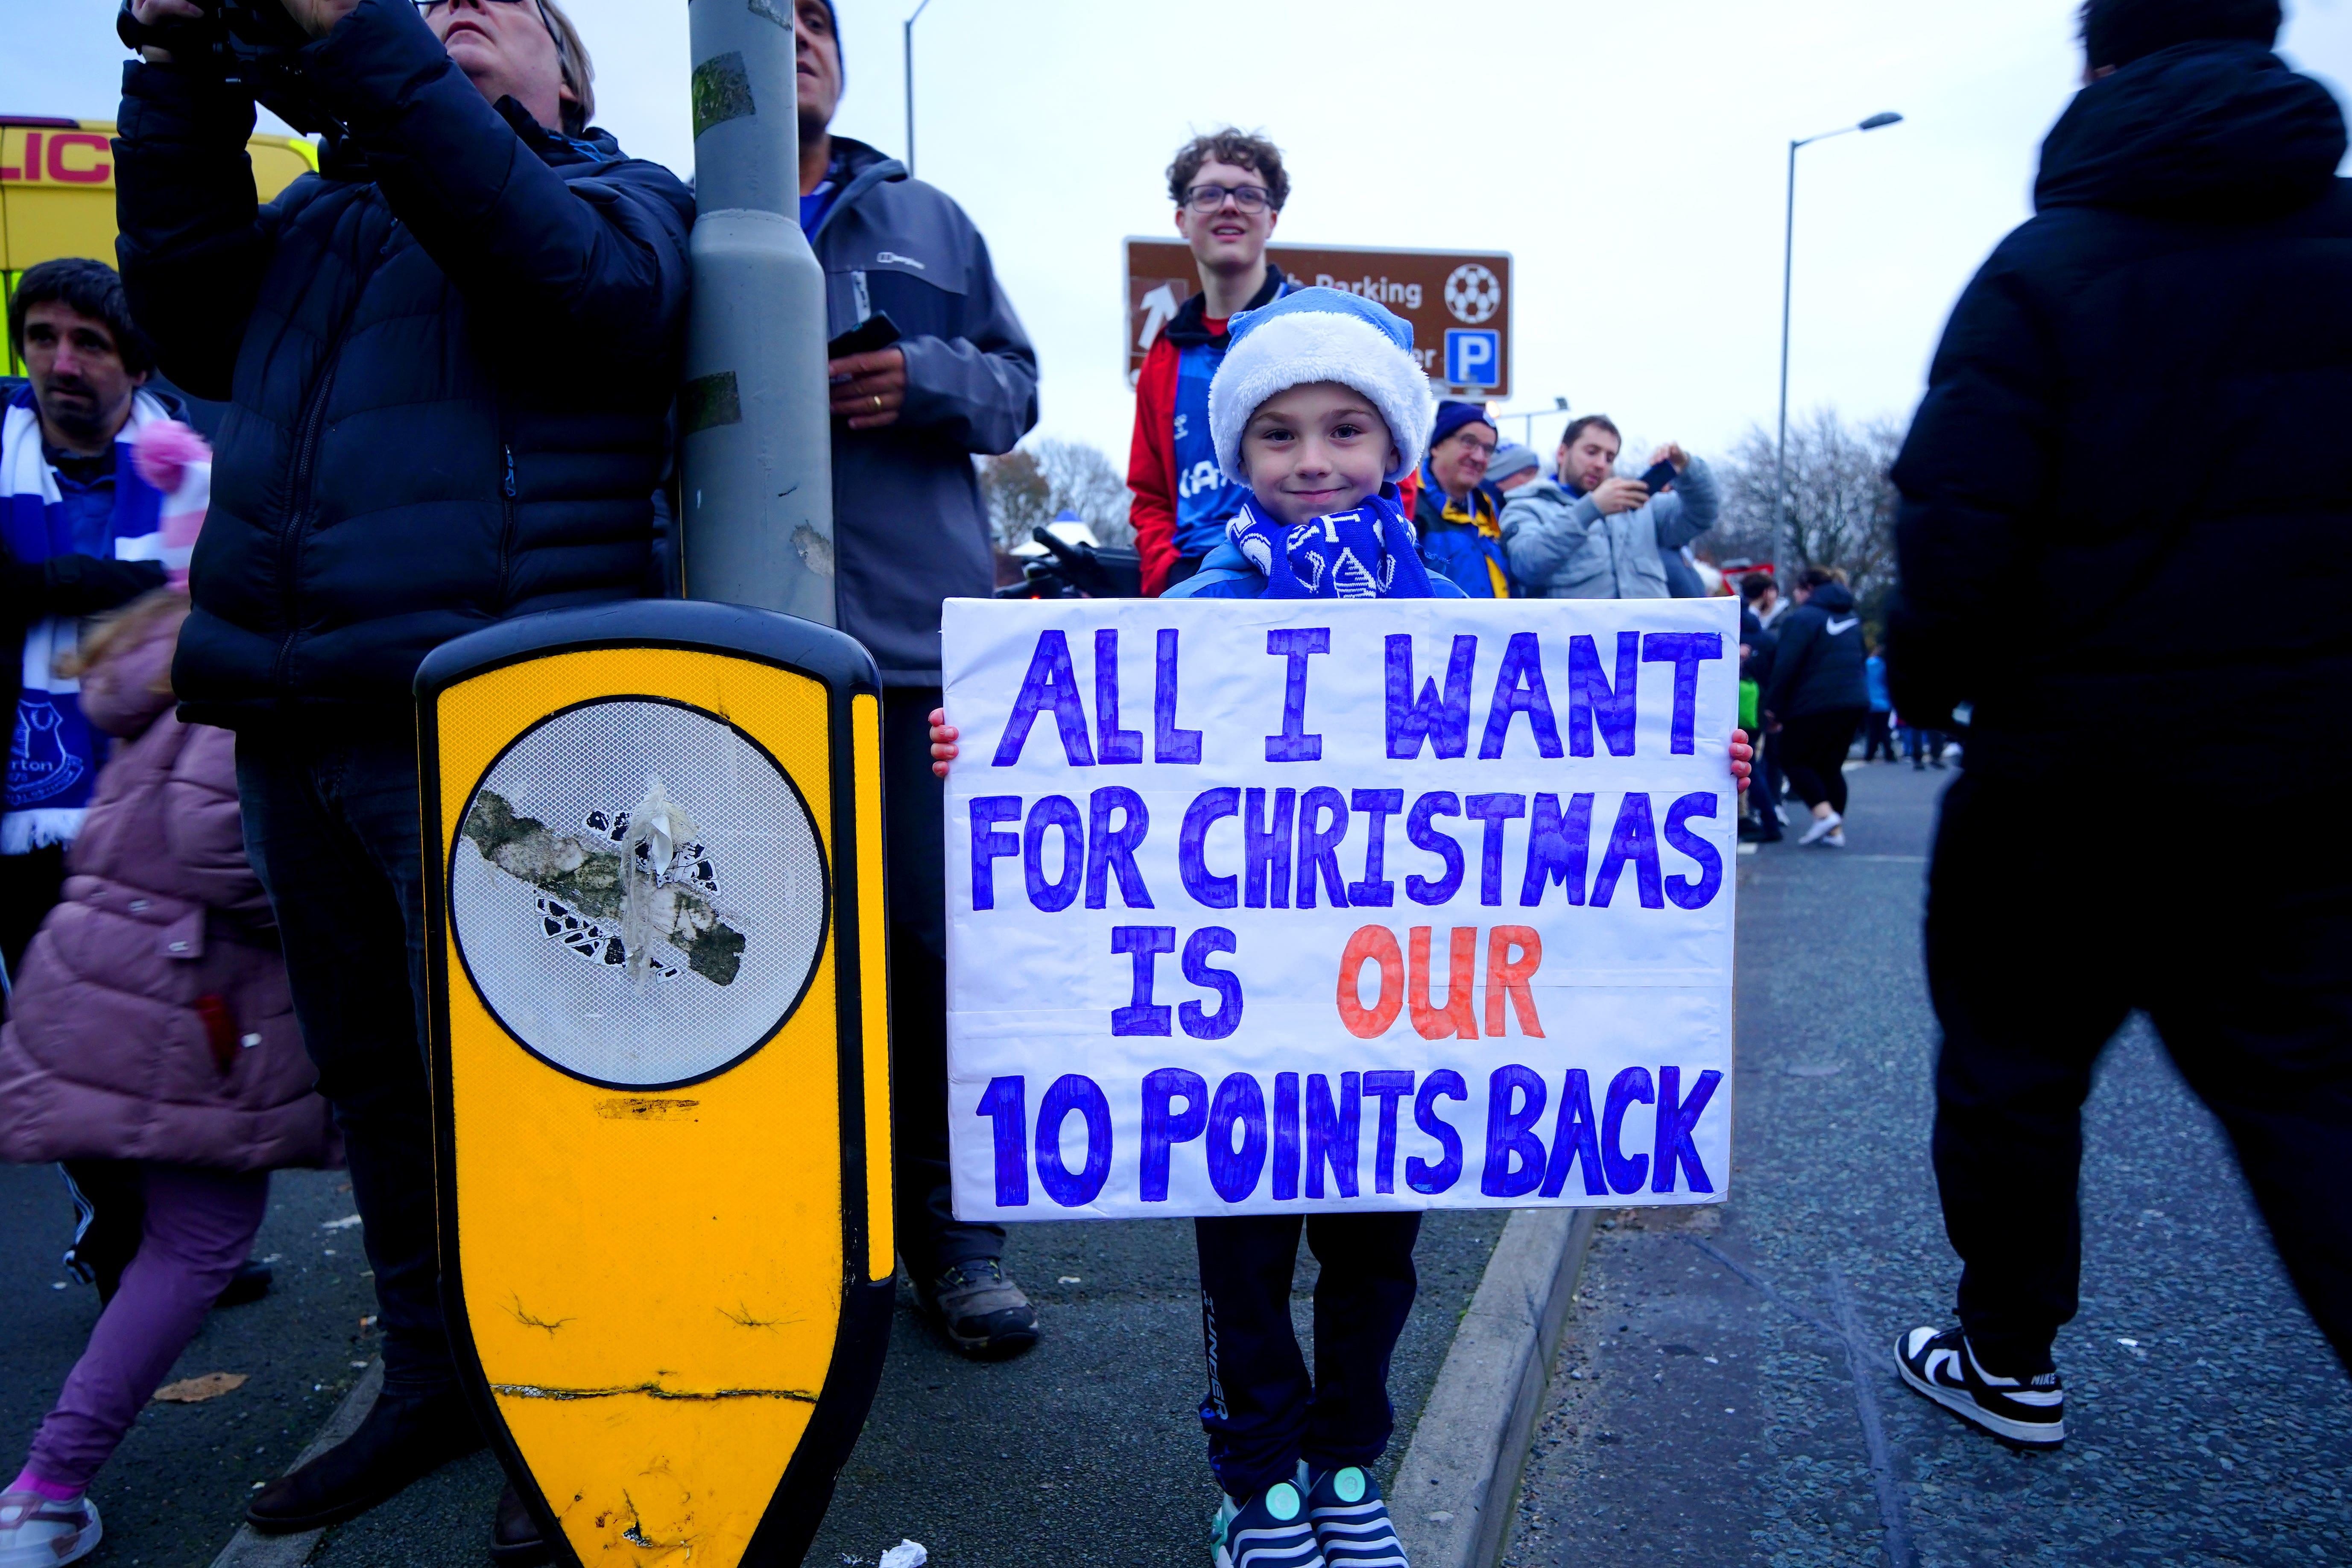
(1409, 493)
(1151, 467)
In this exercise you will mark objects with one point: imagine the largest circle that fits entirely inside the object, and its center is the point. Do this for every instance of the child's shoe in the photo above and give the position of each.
(1270, 1530)
(1351, 1522)
(36, 1533)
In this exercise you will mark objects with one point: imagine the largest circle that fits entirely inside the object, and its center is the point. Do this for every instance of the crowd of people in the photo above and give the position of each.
(211, 892)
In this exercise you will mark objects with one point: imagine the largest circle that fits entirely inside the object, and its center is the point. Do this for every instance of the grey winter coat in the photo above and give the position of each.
(909, 526)
(150, 1018)
(1562, 547)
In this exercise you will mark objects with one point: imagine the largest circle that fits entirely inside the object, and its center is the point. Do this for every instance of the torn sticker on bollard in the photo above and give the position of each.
(644, 944)
(1279, 906)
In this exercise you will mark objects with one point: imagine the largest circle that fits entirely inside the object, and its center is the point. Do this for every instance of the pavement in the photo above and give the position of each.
(1706, 1410)
(179, 1483)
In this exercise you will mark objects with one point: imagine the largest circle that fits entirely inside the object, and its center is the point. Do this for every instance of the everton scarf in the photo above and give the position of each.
(1365, 553)
(53, 755)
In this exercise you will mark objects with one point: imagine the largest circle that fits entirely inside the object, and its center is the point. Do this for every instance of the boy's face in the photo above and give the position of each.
(1316, 448)
(1227, 240)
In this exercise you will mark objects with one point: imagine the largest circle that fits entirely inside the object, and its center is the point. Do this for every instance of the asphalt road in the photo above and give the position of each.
(1704, 1411)
(177, 1485)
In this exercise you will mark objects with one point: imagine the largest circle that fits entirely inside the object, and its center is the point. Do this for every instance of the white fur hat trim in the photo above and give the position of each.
(1290, 350)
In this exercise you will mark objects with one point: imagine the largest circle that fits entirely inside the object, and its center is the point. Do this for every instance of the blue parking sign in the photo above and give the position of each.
(1474, 357)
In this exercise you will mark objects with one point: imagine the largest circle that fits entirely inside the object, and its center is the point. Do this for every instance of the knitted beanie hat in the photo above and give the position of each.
(1321, 334)
(1510, 459)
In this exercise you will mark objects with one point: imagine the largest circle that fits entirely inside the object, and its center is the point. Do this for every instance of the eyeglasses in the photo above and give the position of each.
(1210, 198)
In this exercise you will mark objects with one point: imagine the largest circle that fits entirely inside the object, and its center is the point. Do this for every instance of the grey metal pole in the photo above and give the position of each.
(755, 409)
(907, 39)
(1780, 448)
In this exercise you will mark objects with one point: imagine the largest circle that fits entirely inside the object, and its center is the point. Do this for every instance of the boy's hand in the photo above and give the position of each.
(943, 742)
(1743, 757)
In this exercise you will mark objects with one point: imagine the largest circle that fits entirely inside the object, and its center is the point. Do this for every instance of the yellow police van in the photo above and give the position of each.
(57, 190)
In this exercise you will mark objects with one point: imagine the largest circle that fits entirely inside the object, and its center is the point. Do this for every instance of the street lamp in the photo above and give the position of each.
(1530, 417)
(909, 41)
(1780, 541)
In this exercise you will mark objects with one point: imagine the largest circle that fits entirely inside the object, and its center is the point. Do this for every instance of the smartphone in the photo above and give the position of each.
(877, 332)
(1660, 474)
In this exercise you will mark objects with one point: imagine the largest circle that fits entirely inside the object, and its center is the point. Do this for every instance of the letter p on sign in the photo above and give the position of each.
(1474, 357)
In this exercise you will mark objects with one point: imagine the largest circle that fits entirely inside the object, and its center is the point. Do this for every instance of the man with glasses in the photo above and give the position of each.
(1459, 514)
(1229, 190)
(449, 358)
(954, 377)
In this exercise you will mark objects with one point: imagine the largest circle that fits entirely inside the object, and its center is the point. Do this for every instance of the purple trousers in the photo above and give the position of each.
(200, 1228)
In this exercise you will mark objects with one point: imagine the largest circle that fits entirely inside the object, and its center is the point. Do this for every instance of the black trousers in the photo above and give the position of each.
(2038, 951)
(1262, 1414)
(330, 825)
(914, 843)
(1879, 736)
(30, 885)
(1813, 748)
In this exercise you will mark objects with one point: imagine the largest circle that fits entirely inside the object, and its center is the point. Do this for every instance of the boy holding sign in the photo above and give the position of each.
(1319, 408)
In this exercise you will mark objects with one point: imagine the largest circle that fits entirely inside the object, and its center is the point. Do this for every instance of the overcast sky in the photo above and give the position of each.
(1630, 155)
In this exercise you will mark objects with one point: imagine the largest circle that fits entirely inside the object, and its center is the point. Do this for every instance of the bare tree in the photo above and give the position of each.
(1031, 486)
(1018, 496)
(1841, 502)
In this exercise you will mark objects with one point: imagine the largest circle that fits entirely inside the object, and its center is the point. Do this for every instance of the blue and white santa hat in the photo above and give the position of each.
(1321, 334)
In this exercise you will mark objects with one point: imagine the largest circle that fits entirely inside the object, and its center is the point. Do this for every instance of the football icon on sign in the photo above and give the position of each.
(1473, 293)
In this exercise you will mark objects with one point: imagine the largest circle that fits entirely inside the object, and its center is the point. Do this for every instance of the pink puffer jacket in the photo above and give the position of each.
(151, 1020)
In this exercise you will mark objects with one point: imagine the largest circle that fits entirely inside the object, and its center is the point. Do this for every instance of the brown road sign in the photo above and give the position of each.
(1459, 302)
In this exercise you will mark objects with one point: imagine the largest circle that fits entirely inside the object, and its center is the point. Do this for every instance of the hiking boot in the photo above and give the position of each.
(1270, 1530)
(2030, 1412)
(403, 1438)
(40, 1532)
(1351, 1522)
(515, 1540)
(982, 1313)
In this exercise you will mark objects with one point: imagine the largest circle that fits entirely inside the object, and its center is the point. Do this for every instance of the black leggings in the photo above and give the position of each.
(1813, 748)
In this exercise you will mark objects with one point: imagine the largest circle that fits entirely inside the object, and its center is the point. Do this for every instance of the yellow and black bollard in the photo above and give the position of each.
(661, 1066)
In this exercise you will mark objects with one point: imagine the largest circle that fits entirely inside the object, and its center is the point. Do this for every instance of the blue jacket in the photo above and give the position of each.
(1457, 550)
(449, 360)
(1226, 574)
(909, 526)
(2072, 567)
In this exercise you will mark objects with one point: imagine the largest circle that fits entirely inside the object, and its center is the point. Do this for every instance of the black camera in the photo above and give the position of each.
(253, 43)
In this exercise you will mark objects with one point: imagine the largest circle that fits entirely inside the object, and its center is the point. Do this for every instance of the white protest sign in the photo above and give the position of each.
(1270, 906)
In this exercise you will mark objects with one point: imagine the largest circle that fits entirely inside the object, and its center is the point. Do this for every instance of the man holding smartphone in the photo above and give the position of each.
(1590, 534)
(930, 367)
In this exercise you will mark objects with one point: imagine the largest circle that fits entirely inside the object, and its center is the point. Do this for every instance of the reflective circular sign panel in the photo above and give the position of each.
(638, 892)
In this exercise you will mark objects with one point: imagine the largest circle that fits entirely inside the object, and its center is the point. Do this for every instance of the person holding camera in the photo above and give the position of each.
(449, 358)
(1590, 534)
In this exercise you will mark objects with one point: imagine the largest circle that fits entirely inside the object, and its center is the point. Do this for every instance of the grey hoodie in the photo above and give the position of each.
(1562, 547)
(909, 526)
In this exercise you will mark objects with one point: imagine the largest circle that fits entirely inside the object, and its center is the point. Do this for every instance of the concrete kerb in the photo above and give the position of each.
(1452, 1496)
(248, 1548)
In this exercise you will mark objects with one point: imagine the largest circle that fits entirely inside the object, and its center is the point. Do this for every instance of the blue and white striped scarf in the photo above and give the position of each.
(1368, 552)
(53, 755)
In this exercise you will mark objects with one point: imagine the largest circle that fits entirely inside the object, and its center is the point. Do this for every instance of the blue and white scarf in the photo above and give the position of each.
(1365, 553)
(53, 755)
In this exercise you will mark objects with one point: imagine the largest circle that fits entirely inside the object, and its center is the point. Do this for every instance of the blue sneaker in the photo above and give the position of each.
(1270, 1530)
(1351, 1523)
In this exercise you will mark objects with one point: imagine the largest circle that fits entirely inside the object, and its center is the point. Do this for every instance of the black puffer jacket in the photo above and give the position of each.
(1818, 664)
(2126, 493)
(448, 362)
